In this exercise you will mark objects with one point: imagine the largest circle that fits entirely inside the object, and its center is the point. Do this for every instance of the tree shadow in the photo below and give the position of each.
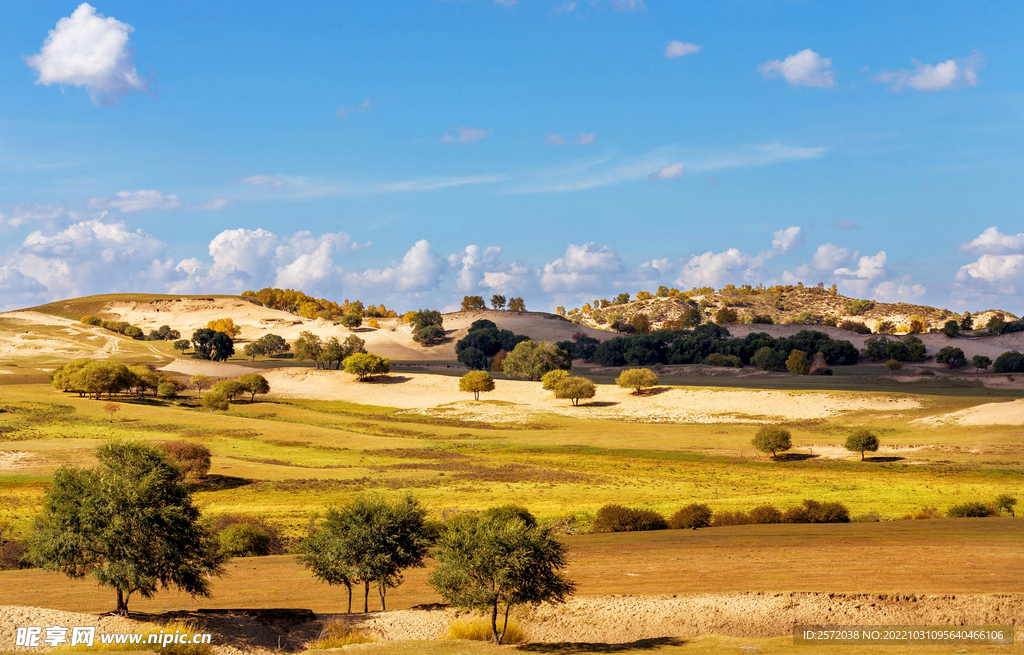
(388, 379)
(794, 457)
(655, 391)
(884, 459)
(580, 648)
(221, 483)
(599, 403)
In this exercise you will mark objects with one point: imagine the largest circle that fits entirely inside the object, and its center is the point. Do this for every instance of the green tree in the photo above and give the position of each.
(637, 379)
(550, 380)
(498, 301)
(200, 382)
(129, 522)
(351, 321)
(476, 382)
(966, 322)
(182, 345)
(797, 363)
(366, 365)
(309, 346)
(214, 401)
(951, 357)
(104, 377)
(530, 360)
(861, 440)
(272, 345)
(691, 317)
(575, 388)
(428, 335)
(254, 349)
(212, 344)
(1006, 503)
(473, 303)
(767, 358)
(230, 389)
(772, 439)
(516, 305)
(425, 317)
(951, 328)
(254, 383)
(495, 562)
(981, 362)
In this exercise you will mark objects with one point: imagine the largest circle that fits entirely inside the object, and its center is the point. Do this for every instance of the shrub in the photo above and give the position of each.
(861, 440)
(1006, 503)
(428, 335)
(637, 379)
(797, 363)
(971, 510)
(12, 555)
(772, 439)
(575, 389)
(191, 458)
(764, 514)
(167, 390)
(855, 326)
(91, 320)
(726, 316)
(814, 512)
(858, 307)
(337, 634)
(550, 380)
(240, 528)
(616, 518)
(1009, 362)
(867, 517)
(691, 517)
(718, 359)
(926, 513)
(244, 540)
(723, 519)
(821, 370)
(479, 629)
(214, 401)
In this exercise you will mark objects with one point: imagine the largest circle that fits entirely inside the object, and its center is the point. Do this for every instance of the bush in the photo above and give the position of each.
(855, 326)
(723, 519)
(244, 540)
(12, 555)
(718, 359)
(479, 629)
(191, 458)
(616, 518)
(765, 514)
(550, 380)
(798, 364)
(971, 510)
(867, 517)
(821, 370)
(1009, 362)
(337, 634)
(575, 388)
(214, 401)
(428, 335)
(814, 512)
(858, 307)
(726, 316)
(925, 513)
(691, 517)
(772, 439)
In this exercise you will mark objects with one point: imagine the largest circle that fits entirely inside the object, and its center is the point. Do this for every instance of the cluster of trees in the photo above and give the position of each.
(477, 303)
(162, 333)
(231, 389)
(296, 302)
(93, 377)
(773, 439)
(580, 346)
(568, 387)
(617, 518)
(697, 345)
(908, 349)
(427, 326)
(1009, 362)
(212, 345)
(366, 365)
(269, 345)
(530, 360)
(329, 354)
(483, 343)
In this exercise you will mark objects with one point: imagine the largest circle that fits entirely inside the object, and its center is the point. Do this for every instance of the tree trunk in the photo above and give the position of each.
(494, 622)
(862, 455)
(122, 603)
(383, 592)
(504, 628)
(349, 610)
(366, 597)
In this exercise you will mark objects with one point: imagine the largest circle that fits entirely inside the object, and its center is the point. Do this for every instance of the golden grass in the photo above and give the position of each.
(479, 629)
(337, 634)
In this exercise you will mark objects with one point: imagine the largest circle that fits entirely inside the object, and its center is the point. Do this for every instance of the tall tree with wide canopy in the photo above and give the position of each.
(130, 523)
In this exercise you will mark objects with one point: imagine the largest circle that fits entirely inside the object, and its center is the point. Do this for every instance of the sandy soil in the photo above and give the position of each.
(20, 336)
(439, 395)
(1001, 413)
(213, 369)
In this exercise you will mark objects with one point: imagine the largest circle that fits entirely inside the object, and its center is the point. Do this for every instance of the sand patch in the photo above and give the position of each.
(204, 367)
(1002, 413)
(519, 401)
(13, 459)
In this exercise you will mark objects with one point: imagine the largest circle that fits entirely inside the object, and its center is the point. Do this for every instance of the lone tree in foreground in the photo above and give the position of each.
(498, 560)
(637, 379)
(365, 365)
(129, 523)
(772, 439)
(476, 382)
(861, 440)
(254, 383)
(575, 389)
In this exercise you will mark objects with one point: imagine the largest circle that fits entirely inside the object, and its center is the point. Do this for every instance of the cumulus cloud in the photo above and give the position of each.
(481, 268)
(717, 268)
(805, 68)
(994, 242)
(669, 172)
(136, 201)
(829, 257)
(580, 268)
(788, 239)
(465, 136)
(949, 74)
(901, 290)
(871, 270)
(420, 270)
(996, 273)
(676, 49)
(88, 49)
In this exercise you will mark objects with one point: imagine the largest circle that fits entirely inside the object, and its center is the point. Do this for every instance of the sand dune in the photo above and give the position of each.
(1002, 413)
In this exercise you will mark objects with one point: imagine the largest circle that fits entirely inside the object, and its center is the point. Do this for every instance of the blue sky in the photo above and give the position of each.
(412, 152)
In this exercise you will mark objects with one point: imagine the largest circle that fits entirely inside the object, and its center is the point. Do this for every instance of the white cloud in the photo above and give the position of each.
(901, 290)
(994, 242)
(555, 140)
(472, 264)
(668, 172)
(136, 201)
(829, 257)
(582, 267)
(805, 68)
(676, 49)
(89, 50)
(584, 139)
(949, 74)
(344, 111)
(996, 274)
(871, 270)
(466, 135)
(629, 6)
(275, 181)
(786, 240)
(715, 269)
(419, 271)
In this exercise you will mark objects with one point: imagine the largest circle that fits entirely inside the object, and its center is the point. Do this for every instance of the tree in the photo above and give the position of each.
(98, 378)
(498, 301)
(476, 382)
(253, 349)
(637, 379)
(230, 389)
(428, 335)
(951, 357)
(1006, 503)
(966, 322)
(370, 541)
(495, 562)
(130, 523)
(212, 344)
(351, 321)
(200, 382)
(980, 362)
(366, 365)
(772, 439)
(425, 317)
(530, 360)
(951, 328)
(168, 390)
(726, 316)
(516, 305)
(549, 380)
(309, 346)
(917, 325)
(182, 345)
(861, 440)
(641, 323)
(272, 345)
(111, 409)
(692, 317)
(254, 383)
(225, 325)
(767, 358)
(474, 358)
(575, 388)
(473, 303)
(192, 459)
(214, 401)
(797, 363)
(1009, 362)
(893, 365)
